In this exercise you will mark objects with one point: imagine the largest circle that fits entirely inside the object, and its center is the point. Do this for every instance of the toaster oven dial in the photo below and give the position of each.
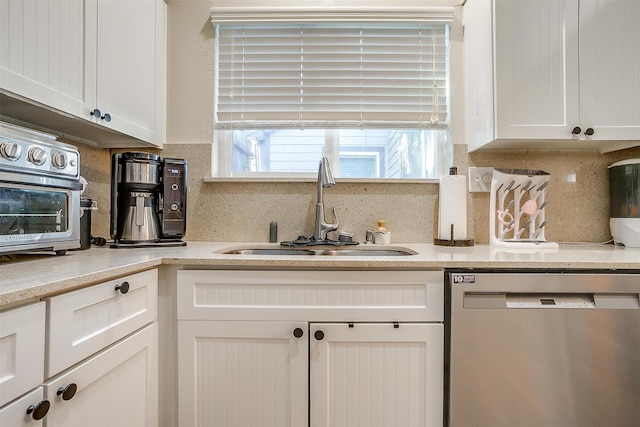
(36, 155)
(10, 150)
(59, 160)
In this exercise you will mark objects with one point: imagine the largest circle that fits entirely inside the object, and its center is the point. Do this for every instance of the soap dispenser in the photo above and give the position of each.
(381, 236)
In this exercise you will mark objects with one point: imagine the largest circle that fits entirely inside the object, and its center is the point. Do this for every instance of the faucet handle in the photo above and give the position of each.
(335, 218)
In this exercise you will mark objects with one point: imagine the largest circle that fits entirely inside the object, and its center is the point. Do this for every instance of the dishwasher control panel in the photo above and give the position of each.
(549, 301)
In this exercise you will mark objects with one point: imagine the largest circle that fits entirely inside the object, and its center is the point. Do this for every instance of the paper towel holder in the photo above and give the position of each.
(453, 242)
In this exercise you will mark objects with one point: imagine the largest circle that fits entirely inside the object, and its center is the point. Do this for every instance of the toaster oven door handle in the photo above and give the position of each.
(39, 181)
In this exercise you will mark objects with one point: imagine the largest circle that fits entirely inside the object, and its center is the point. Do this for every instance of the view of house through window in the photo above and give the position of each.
(372, 153)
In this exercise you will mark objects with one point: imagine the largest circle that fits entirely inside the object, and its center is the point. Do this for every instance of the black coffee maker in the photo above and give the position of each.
(148, 200)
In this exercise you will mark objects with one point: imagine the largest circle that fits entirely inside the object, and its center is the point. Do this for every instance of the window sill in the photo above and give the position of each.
(309, 179)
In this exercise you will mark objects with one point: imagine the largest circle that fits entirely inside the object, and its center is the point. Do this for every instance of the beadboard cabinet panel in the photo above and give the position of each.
(536, 69)
(44, 55)
(377, 375)
(311, 295)
(91, 70)
(610, 68)
(242, 374)
(250, 353)
(552, 75)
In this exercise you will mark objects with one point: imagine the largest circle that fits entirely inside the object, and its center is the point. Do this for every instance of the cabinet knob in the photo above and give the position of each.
(67, 391)
(589, 132)
(319, 335)
(123, 287)
(106, 117)
(576, 130)
(298, 332)
(96, 113)
(39, 410)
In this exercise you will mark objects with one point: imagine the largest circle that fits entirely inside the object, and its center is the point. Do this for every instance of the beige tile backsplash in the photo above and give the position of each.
(224, 211)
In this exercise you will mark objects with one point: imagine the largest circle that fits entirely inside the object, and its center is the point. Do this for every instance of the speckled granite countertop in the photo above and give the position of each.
(31, 277)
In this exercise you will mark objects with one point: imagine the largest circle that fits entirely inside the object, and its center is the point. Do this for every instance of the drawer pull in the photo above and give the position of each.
(123, 287)
(39, 410)
(298, 332)
(319, 335)
(67, 391)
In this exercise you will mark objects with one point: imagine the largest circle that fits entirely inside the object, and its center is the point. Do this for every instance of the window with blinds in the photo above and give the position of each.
(292, 92)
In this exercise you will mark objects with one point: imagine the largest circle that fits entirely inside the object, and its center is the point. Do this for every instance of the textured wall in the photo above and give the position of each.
(226, 211)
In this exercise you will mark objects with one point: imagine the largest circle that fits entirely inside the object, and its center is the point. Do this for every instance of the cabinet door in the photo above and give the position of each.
(43, 52)
(376, 375)
(115, 388)
(536, 69)
(18, 414)
(610, 68)
(130, 66)
(21, 350)
(242, 374)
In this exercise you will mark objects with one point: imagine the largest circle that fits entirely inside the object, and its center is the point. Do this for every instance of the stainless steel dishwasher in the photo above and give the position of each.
(543, 349)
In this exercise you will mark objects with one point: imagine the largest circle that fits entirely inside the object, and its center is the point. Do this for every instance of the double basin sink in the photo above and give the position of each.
(323, 251)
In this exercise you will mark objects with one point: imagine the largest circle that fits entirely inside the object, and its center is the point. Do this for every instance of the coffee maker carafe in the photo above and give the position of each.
(148, 200)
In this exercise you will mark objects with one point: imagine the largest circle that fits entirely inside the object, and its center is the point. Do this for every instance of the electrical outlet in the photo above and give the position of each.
(480, 179)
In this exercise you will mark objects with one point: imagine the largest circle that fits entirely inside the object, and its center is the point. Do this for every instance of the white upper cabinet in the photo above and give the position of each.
(42, 53)
(102, 61)
(130, 78)
(552, 75)
(610, 68)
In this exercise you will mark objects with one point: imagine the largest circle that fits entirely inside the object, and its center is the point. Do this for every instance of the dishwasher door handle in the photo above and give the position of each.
(499, 300)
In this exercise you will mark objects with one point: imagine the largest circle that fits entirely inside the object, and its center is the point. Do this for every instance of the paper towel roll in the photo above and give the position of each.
(453, 207)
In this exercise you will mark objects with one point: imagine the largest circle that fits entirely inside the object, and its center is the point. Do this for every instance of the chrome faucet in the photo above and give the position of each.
(325, 180)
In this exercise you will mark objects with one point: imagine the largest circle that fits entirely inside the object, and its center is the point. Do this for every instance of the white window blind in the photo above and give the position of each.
(332, 74)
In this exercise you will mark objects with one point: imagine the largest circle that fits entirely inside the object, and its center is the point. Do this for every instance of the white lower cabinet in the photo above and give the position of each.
(318, 348)
(97, 365)
(376, 375)
(117, 387)
(242, 374)
(21, 350)
(22, 343)
(102, 354)
(85, 321)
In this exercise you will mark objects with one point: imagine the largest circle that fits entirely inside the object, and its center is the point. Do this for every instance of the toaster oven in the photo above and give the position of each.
(39, 192)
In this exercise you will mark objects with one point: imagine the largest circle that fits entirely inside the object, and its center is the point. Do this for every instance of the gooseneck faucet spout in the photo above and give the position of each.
(325, 180)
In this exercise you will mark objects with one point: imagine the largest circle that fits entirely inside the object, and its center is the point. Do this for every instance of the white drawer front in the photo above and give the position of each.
(117, 387)
(85, 321)
(15, 414)
(311, 295)
(21, 350)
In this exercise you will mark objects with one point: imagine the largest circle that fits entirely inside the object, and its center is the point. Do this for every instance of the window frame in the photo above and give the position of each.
(376, 10)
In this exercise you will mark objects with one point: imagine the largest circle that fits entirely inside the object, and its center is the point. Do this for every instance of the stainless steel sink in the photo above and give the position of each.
(270, 251)
(333, 251)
